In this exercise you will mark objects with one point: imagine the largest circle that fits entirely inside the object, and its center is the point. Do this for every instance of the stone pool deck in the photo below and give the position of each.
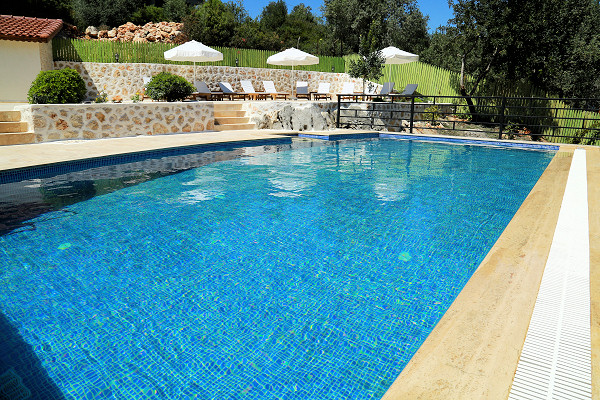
(474, 350)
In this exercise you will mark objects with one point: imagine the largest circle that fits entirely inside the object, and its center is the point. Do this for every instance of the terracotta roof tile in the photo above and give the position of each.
(28, 29)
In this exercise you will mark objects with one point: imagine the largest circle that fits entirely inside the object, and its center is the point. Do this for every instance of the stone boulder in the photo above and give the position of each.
(91, 31)
(296, 117)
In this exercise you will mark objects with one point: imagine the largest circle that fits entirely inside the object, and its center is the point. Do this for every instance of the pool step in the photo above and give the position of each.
(231, 117)
(13, 130)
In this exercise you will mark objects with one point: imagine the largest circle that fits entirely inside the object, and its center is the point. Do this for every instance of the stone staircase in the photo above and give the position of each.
(13, 130)
(231, 117)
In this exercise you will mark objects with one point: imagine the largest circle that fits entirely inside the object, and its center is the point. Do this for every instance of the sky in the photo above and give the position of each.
(438, 10)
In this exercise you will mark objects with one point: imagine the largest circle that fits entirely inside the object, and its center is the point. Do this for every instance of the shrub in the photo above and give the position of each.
(170, 87)
(57, 87)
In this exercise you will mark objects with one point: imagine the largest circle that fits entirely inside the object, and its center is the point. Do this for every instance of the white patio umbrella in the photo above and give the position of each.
(293, 57)
(195, 52)
(394, 55)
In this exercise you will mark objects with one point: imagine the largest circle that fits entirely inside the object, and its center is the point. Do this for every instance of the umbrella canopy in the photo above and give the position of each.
(293, 57)
(394, 55)
(193, 51)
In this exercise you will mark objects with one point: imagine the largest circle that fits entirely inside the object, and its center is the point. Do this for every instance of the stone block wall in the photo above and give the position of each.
(51, 122)
(127, 79)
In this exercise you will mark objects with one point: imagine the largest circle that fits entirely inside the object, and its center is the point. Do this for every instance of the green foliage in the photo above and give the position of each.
(274, 15)
(496, 43)
(431, 113)
(39, 8)
(399, 22)
(148, 14)
(102, 97)
(104, 12)
(369, 63)
(175, 10)
(169, 87)
(57, 87)
(212, 24)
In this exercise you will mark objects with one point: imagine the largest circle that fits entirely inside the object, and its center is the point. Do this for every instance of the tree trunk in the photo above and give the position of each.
(463, 91)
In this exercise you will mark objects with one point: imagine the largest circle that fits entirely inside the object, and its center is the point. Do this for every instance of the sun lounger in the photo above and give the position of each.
(229, 92)
(271, 91)
(409, 90)
(347, 91)
(388, 88)
(322, 91)
(302, 90)
(203, 91)
(248, 89)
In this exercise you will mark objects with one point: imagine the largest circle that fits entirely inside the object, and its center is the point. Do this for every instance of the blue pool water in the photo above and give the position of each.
(304, 272)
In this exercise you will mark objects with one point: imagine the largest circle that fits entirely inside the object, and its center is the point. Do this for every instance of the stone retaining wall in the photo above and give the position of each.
(319, 116)
(127, 79)
(51, 122)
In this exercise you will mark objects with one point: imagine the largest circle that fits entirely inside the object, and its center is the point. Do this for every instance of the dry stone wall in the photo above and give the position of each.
(119, 79)
(51, 122)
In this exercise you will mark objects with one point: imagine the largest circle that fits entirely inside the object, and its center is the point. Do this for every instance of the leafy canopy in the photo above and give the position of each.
(369, 63)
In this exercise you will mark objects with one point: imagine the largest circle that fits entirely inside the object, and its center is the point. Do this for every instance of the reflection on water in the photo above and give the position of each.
(47, 189)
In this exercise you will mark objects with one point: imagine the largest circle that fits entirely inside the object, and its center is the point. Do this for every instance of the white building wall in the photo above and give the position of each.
(19, 65)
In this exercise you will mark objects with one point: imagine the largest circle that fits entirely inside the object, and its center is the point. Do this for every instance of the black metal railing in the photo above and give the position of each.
(550, 119)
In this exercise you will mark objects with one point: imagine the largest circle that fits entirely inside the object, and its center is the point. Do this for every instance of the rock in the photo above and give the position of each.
(112, 33)
(91, 31)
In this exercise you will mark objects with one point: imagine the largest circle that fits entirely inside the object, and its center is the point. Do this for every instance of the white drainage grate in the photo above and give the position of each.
(556, 358)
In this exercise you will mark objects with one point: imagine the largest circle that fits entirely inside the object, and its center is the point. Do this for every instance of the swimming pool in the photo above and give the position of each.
(300, 270)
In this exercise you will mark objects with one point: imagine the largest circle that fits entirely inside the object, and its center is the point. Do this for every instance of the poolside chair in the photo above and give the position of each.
(229, 92)
(271, 91)
(347, 91)
(322, 91)
(302, 90)
(408, 91)
(388, 88)
(250, 92)
(202, 90)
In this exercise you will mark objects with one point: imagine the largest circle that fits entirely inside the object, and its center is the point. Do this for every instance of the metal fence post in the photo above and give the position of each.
(502, 108)
(339, 99)
(412, 112)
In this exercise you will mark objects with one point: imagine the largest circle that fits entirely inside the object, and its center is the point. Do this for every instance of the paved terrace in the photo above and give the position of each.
(474, 350)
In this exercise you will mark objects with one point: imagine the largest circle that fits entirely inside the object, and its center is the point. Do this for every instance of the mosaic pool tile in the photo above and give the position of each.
(300, 272)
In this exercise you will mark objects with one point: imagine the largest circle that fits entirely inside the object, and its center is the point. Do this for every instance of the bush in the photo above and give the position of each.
(170, 87)
(57, 87)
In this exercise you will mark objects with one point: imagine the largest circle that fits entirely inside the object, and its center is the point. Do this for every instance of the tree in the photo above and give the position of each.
(369, 63)
(213, 24)
(552, 45)
(104, 12)
(56, 9)
(175, 10)
(274, 16)
(148, 14)
(303, 27)
(400, 23)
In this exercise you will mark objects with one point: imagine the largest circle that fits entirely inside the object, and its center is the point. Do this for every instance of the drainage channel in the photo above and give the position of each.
(556, 359)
